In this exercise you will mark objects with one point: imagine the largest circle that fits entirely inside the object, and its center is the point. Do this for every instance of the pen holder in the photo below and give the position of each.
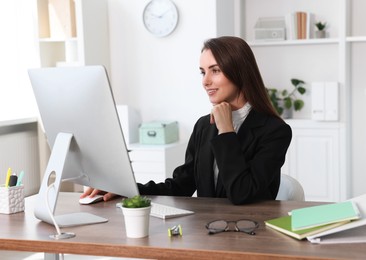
(11, 199)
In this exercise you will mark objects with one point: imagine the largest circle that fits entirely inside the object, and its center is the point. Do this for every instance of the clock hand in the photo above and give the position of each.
(163, 13)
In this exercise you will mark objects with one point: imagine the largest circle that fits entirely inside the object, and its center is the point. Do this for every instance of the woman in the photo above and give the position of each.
(237, 151)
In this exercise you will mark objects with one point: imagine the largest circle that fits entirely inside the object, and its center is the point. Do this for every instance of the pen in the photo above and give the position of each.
(8, 178)
(20, 178)
(13, 180)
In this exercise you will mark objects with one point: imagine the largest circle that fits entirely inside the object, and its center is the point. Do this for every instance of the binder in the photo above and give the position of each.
(352, 232)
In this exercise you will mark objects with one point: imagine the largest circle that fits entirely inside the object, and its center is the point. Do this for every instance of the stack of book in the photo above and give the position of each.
(299, 25)
(316, 223)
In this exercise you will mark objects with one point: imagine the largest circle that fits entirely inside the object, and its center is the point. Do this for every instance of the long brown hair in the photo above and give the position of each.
(236, 60)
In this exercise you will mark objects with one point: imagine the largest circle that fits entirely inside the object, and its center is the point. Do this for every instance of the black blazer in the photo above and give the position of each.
(249, 162)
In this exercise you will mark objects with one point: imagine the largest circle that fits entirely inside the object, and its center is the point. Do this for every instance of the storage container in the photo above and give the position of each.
(159, 132)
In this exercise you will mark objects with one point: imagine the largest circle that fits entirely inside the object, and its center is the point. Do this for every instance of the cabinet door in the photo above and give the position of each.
(313, 159)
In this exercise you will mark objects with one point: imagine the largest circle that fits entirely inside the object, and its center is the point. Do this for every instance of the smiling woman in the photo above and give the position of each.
(236, 151)
(18, 53)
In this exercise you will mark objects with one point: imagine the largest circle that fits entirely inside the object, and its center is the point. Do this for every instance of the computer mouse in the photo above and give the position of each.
(88, 200)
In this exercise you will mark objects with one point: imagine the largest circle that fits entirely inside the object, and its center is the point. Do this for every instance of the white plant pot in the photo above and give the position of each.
(137, 221)
(319, 34)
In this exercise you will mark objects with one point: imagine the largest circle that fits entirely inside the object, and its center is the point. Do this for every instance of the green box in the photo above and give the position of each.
(159, 132)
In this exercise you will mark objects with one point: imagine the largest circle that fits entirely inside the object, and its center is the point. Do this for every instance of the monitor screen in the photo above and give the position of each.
(81, 123)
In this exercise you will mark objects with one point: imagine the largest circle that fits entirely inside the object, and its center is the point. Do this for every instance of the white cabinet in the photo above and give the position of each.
(73, 32)
(315, 158)
(156, 162)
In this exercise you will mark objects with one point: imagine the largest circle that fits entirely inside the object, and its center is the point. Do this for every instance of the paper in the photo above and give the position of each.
(353, 232)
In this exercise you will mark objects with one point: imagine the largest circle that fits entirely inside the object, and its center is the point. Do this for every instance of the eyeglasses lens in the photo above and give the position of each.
(218, 225)
(246, 225)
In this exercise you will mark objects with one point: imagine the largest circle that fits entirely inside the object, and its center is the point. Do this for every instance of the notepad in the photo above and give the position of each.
(283, 224)
(352, 232)
(314, 216)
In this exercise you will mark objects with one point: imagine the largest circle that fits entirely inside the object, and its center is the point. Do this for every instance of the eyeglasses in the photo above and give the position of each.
(242, 225)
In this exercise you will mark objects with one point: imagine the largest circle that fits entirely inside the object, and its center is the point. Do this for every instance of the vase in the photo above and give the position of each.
(319, 34)
(137, 221)
(286, 113)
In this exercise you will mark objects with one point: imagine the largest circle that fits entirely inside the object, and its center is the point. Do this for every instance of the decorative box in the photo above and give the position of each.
(159, 132)
(11, 199)
(270, 28)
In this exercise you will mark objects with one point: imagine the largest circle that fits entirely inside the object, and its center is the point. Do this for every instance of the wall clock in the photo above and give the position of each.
(160, 17)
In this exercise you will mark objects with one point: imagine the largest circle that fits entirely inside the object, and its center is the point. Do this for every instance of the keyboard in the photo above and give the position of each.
(165, 212)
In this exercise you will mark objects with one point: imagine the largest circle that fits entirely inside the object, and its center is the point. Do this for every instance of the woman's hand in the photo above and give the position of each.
(91, 192)
(221, 116)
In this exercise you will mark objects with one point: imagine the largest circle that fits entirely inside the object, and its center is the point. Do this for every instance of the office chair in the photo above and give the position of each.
(290, 189)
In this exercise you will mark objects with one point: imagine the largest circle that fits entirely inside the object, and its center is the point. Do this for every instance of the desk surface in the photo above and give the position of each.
(23, 232)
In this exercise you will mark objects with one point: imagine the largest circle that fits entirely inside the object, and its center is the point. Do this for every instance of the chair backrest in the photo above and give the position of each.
(290, 189)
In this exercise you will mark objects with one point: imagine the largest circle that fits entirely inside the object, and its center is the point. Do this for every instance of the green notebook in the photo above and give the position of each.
(309, 217)
(283, 224)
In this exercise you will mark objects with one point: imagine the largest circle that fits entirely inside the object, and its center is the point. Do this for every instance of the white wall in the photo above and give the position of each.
(160, 76)
(358, 97)
(17, 54)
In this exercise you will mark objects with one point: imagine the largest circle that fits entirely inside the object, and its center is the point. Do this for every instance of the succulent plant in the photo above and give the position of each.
(320, 26)
(136, 202)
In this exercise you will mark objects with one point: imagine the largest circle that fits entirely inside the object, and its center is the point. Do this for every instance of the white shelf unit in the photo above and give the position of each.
(87, 45)
(314, 60)
(156, 162)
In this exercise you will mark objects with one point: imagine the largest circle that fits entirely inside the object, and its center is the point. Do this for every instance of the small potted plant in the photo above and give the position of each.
(136, 211)
(320, 32)
(284, 101)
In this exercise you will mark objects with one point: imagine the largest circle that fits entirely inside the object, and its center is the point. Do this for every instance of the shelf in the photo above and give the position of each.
(82, 38)
(17, 121)
(313, 124)
(57, 40)
(295, 42)
(356, 39)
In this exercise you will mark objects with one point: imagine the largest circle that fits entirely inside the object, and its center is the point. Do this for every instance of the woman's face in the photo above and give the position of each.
(218, 87)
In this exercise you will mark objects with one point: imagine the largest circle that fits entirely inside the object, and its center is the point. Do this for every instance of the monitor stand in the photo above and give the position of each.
(47, 196)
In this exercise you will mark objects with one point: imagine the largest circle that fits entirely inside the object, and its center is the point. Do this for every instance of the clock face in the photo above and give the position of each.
(160, 17)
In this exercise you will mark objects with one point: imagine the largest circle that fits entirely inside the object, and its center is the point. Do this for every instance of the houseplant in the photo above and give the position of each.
(320, 32)
(136, 211)
(285, 101)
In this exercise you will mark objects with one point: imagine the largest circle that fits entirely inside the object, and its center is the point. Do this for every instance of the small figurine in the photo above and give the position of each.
(175, 231)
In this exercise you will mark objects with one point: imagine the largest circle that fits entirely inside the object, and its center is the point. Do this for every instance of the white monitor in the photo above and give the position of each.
(82, 127)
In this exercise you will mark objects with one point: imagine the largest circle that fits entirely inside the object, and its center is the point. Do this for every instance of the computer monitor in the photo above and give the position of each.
(82, 127)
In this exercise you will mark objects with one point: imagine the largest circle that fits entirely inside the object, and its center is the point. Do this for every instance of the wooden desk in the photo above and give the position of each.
(23, 232)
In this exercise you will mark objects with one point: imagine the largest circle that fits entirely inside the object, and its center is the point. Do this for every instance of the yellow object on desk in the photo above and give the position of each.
(8, 178)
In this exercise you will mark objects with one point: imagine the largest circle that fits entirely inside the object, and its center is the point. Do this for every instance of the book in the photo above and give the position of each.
(323, 214)
(352, 232)
(309, 25)
(291, 26)
(283, 224)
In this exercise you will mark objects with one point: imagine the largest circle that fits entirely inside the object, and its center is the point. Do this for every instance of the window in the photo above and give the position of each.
(18, 52)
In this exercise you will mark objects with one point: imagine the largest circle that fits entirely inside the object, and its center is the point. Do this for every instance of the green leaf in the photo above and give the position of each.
(296, 82)
(136, 202)
(298, 104)
(287, 103)
(279, 110)
(301, 90)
